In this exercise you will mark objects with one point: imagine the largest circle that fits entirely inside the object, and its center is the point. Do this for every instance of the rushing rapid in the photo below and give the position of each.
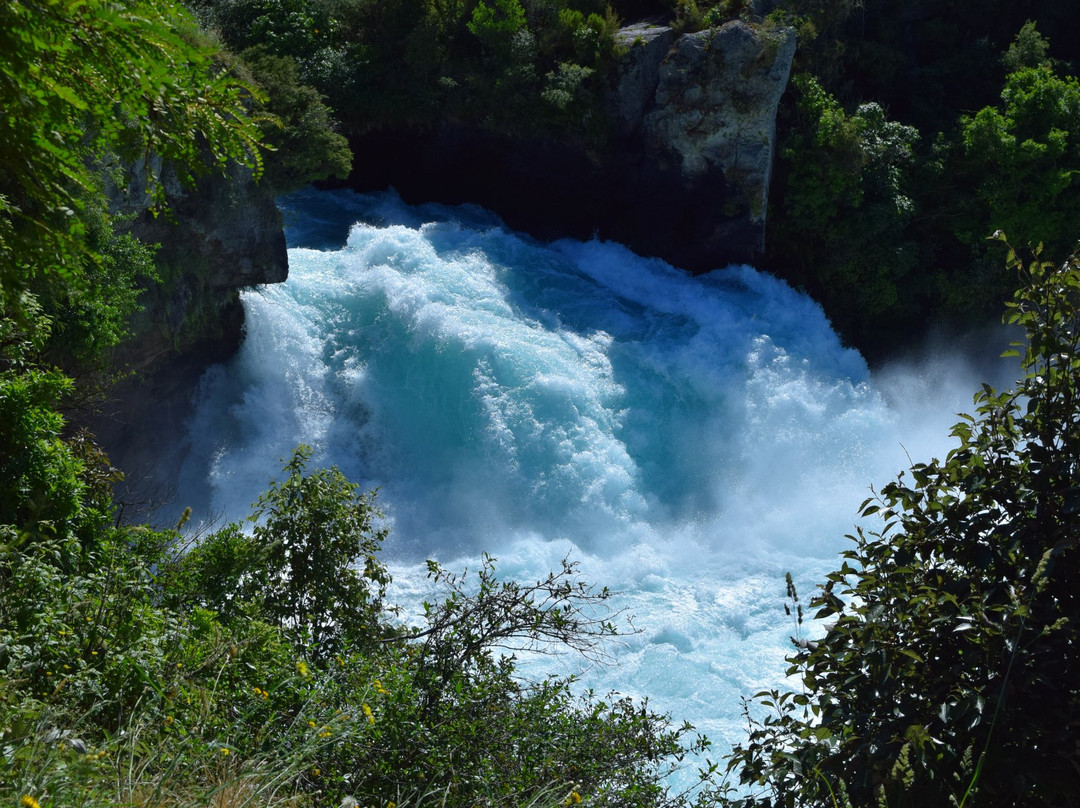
(687, 440)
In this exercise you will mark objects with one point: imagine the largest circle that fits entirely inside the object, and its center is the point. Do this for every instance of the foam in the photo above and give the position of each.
(688, 440)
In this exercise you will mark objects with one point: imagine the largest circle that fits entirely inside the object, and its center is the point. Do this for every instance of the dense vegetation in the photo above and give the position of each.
(908, 136)
(263, 664)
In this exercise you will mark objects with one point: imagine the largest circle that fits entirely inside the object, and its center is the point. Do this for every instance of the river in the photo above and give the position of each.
(686, 440)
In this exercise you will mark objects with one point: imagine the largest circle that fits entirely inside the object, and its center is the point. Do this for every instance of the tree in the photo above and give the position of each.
(80, 82)
(496, 24)
(950, 672)
(839, 222)
(300, 127)
(297, 567)
(1023, 159)
(1029, 49)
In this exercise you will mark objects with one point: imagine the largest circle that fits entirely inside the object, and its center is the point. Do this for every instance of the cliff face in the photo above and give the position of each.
(685, 172)
(216, 238)
(715, 106)
(707, 103)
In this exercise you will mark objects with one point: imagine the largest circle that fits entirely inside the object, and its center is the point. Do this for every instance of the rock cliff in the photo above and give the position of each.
(707, 102)
(715, 106)
(215, 239)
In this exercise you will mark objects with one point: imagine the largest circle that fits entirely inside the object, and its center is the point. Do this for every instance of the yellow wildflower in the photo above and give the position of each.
(225, 750)
(573, 798)
(29, 802)
(169, 720)
(302, 668)
(311, 724)
(367, 712)
(391, 804)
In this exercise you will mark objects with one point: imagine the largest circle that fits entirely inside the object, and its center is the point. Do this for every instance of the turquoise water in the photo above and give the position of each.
(687, 440)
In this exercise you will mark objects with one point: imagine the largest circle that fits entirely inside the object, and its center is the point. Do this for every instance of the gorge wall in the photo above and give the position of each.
(220, 236)
(215, 238)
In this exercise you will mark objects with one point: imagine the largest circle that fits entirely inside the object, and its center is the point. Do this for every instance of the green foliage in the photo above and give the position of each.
(691, 15)
(296, 566)
(841, 229)
(89, 321)
(495, 25)
(135, 78)
(590, 38)
(821, 26)
(1023, 158)
(565, 85)
(450, 717)
(265, 667)
(911, 255)
(301, 131)
(107, 698)
(40, 487)
(284, 27)
(409, 63)
(1029, 49)
(949, 673)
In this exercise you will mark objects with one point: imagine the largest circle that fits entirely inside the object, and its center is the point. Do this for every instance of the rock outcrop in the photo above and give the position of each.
(707, 101)
(633, 91)
(715, 106)
(215, 239)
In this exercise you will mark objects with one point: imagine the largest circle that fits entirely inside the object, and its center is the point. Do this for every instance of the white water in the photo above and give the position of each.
(687, 440)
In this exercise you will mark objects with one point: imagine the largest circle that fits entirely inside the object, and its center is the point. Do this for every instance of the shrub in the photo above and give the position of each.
(949, 674)
(300, 127)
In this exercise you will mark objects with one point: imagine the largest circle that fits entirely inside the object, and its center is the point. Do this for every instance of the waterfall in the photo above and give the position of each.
(687, 440)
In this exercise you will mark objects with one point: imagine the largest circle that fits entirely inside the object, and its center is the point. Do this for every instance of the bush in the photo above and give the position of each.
(950, 675)
(300, 127)
(839, 226)
(296, 568)
(432, 712)
(265, 667)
